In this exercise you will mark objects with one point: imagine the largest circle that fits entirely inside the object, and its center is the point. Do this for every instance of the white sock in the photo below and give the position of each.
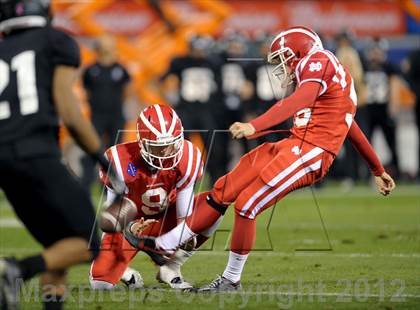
(175, 237)
(235, 266)
(101, 285)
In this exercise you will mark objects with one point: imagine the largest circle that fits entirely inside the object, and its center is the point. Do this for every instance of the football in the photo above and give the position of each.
(116, 216)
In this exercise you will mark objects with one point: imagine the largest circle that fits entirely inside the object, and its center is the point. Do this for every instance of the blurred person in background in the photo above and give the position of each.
(266, 89)
(234, 91)
(348, 163)
(413, 77)
(106, 83)
(196, 79)
(381, 82)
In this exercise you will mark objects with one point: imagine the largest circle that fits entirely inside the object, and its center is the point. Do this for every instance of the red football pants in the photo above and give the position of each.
(263, 177)
(116, 253)
(268, 173)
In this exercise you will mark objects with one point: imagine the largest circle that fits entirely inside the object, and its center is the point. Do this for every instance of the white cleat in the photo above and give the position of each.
(132, 279)
(171, 275)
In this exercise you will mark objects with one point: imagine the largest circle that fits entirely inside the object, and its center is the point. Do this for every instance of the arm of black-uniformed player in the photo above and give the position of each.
(68, 109)
(82, 131)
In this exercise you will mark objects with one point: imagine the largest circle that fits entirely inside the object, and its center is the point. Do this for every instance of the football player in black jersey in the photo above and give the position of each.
(198, 81)
(38, 65)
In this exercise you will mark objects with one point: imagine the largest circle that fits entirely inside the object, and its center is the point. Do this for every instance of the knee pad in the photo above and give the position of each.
(221, 208)
(100, 285)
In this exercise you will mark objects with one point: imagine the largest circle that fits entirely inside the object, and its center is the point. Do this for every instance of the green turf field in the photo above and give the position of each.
(367, 258)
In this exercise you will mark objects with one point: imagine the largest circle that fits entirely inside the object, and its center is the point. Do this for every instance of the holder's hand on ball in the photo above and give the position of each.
(138, 227)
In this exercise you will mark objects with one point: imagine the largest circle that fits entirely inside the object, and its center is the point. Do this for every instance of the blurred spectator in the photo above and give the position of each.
(234, 90)
(196, 78)
(381, 79)
(413, 77)
(349, 57)
(348, 163)
(107, 87)
(266, 88)
(106, 84)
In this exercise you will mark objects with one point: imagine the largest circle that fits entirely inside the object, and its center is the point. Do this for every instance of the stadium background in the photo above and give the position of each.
(351, 241)
(146, 46)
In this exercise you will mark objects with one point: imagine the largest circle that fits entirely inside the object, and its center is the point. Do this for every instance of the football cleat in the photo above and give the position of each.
(10, 275)
(146, 245)
(171, 275)
(132, 279)
(220, 284)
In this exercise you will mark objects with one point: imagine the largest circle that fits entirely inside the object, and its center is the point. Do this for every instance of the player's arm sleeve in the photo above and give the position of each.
(365, 149)
(303, 97)
(110, 197)
(112, 156)
(185, 201)
(65, 50)
(191, 172)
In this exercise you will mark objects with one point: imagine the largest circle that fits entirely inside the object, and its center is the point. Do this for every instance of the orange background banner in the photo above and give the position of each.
(132, 17)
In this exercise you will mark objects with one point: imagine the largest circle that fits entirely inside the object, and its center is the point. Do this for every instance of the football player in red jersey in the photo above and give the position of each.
(323, 105)
(159, 170)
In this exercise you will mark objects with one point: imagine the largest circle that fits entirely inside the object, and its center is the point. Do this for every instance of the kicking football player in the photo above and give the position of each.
(160, 170)
(323, 104)
(38, 66)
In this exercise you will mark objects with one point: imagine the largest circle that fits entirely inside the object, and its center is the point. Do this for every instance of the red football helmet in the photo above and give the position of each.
(288, 48)
(160, 136)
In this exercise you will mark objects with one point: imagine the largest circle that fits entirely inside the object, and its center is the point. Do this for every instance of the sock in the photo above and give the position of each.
(32, 266)
(235, 266)
(53, 302)
(180, 257)
(175, 237)
(101, 285)
(243, 234)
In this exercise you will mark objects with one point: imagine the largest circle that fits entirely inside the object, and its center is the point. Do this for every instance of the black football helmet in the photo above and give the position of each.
(20, 14)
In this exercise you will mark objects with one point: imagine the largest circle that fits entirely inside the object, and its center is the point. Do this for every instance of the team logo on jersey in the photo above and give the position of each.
(131, 169)
(315, 66)
(296, 150)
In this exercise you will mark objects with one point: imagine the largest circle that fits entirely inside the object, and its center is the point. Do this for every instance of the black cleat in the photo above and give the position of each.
(220, 284)
(147, 245)
(10, 275)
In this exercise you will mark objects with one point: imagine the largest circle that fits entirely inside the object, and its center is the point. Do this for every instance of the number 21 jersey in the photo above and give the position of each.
(27, 62)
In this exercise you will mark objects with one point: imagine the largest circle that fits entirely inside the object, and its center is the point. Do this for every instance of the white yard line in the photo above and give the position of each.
(315, 254)
(274, 292)
(11, 222)
(271, 253)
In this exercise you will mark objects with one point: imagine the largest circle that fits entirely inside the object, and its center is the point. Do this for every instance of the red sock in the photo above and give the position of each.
(243, 235)
(203, 215)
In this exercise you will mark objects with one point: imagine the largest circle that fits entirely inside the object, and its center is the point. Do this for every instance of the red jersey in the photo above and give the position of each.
(153, 190)
(327, 122)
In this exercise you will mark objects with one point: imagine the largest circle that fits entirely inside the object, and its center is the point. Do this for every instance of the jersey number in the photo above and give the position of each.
(155, 200)
(24, 65)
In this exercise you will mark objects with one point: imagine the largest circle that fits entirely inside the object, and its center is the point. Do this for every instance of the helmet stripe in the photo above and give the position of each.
(173, 123)
(161, 119)
(148, 125)
(308, 33)
(301, 30)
